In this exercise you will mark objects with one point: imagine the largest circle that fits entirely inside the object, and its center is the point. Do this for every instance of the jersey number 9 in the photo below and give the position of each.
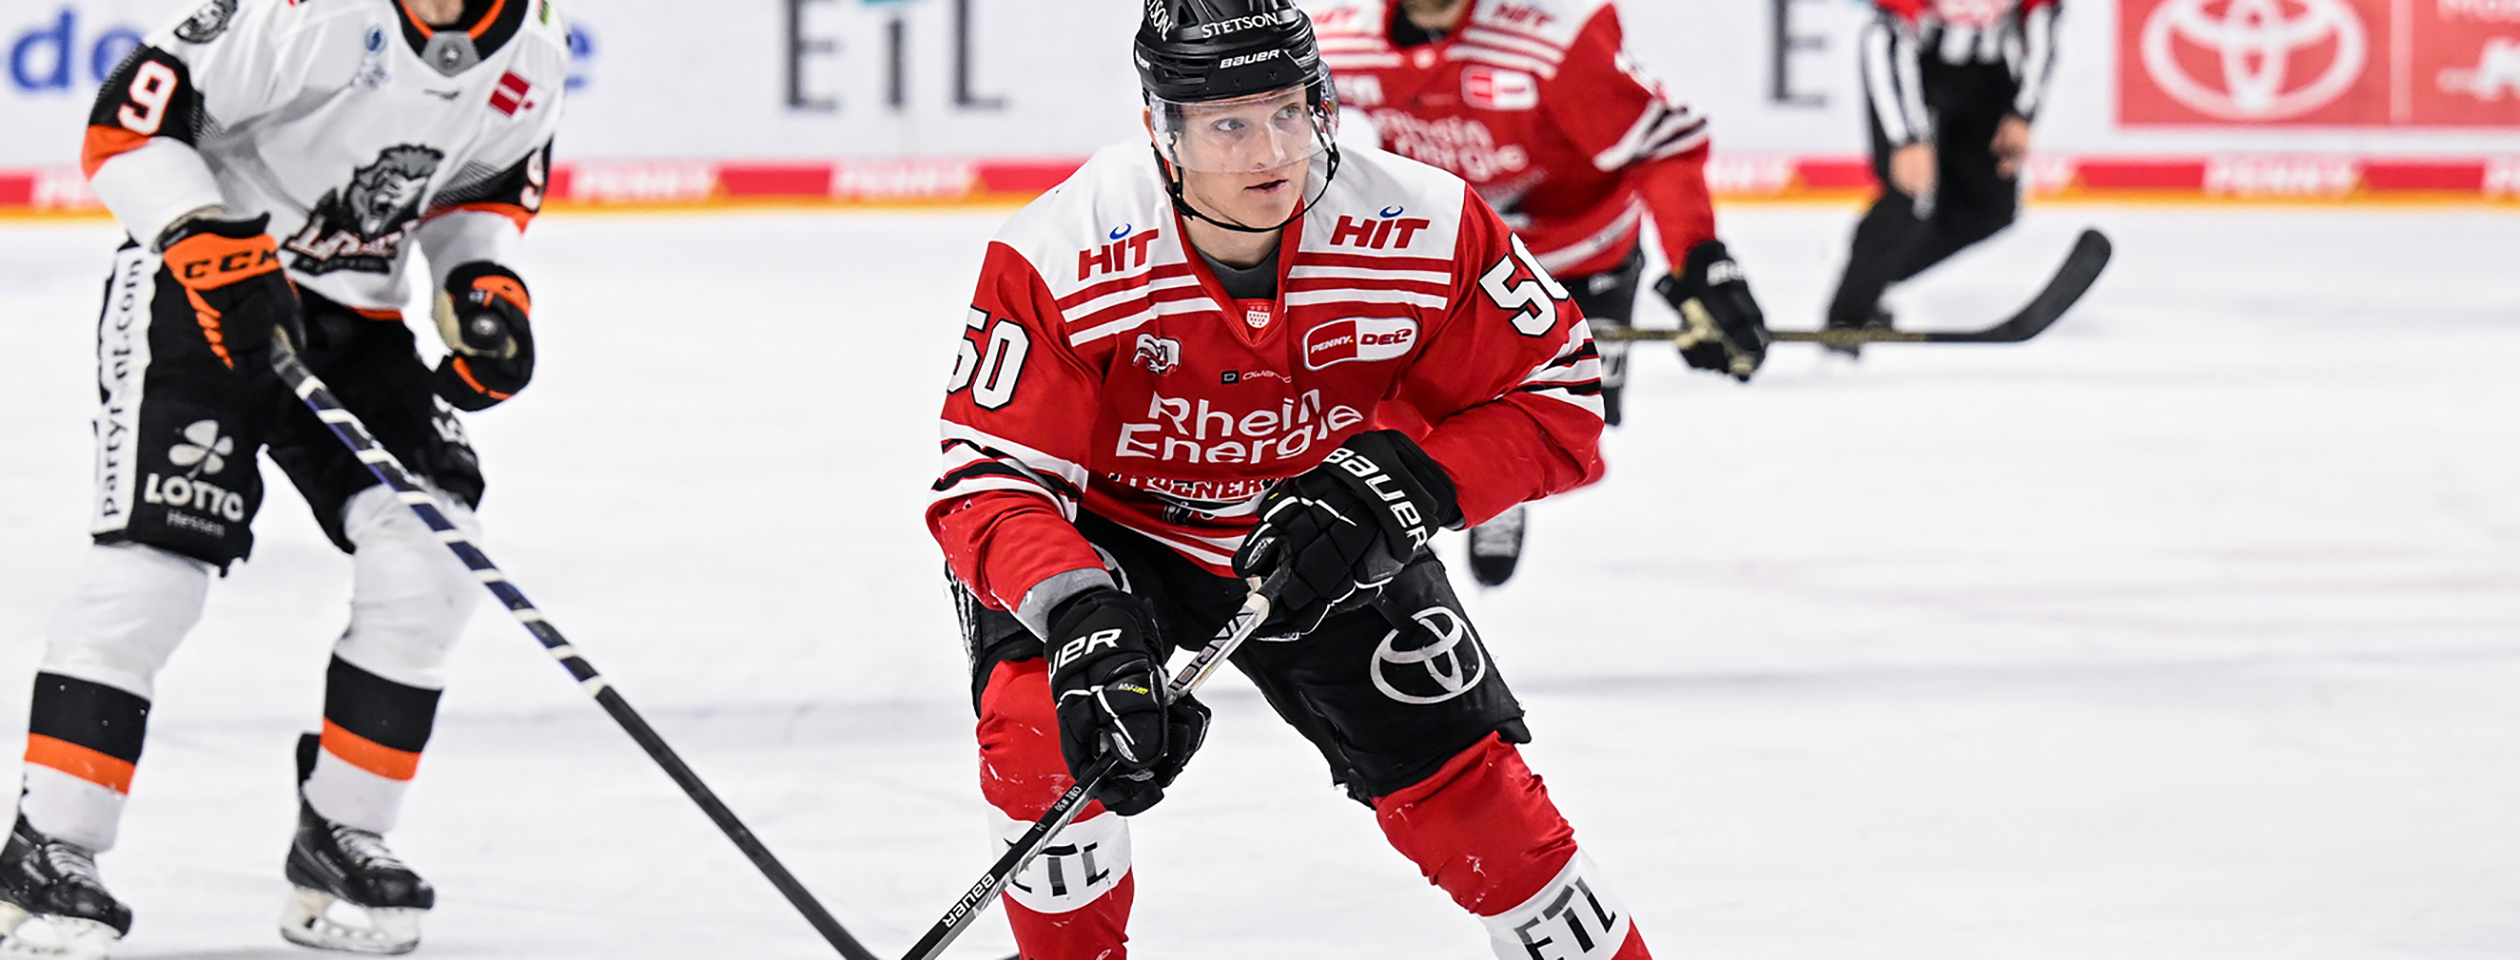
(151, 87)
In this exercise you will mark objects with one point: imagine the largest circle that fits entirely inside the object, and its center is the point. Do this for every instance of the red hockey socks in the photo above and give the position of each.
(1483, 829)
(1072, 902)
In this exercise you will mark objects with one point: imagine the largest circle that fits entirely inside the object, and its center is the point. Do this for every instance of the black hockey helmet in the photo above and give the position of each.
(1190, 51)
(1201, 56)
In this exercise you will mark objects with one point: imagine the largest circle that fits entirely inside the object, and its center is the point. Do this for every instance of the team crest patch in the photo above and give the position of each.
(362, 226)
(1158, 354)
(207, 23)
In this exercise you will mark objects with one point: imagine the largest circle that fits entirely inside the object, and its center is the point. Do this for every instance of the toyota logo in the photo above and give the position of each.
(1441, 663)
(2256, 41)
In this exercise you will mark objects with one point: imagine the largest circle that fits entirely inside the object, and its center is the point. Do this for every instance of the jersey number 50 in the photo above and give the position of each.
(989, 364)
(1534, 300)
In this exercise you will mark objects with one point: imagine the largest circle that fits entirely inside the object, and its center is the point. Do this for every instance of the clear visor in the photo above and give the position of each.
(1243, 135)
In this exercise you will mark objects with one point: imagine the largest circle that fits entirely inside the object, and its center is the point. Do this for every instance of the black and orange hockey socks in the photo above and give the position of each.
(374, 730)
(1483, 829)
(82, 745)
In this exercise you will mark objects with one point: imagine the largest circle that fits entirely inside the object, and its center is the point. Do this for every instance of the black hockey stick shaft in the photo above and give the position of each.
(390, 472)
(976, 900)
(2073, 278)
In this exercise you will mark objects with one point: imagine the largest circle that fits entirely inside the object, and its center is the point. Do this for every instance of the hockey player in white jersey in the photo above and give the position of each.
(275, 163)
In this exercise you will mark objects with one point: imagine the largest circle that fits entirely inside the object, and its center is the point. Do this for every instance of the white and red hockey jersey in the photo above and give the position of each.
(1536, 103)
(358, 128)
(1104, 369)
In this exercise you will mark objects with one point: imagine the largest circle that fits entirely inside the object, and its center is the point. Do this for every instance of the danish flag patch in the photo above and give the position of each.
(513, 93)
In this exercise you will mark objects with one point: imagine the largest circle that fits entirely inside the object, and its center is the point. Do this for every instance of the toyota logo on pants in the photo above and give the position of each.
(1437, 664)
(2265, 55)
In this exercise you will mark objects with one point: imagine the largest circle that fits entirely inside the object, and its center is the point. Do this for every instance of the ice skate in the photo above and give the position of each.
(1614, 357)
(52, 903)
(1496, 546)
(1879, 320)
(351, 892)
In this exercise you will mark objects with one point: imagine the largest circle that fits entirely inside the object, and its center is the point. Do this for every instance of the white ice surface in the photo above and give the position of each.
(2189, 630)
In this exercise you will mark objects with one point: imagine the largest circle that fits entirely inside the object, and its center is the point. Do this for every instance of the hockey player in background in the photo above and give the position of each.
(275, 163)
(1244, 353)
(1952, 87)
(1536, 103)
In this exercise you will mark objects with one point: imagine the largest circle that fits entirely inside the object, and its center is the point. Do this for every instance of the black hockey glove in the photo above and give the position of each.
(483, 316)
(1329, 538)
(1105, 673)
(232, 271)
(1723, 329)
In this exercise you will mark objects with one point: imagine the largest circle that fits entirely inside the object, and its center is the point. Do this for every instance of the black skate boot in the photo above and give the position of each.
(1496, 546)
(1879, 320)
(352, 892)
(51, 902)
(1614, 357)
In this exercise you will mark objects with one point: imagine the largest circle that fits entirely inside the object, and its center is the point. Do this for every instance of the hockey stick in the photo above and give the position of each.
(2081, 268)
(1255, 608)
(390, 472)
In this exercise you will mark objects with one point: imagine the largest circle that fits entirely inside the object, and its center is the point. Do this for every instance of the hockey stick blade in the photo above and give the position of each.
(390, 472)
(976, 900)
(2073, 278)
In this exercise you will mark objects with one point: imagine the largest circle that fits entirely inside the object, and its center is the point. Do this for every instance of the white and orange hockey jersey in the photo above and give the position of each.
(358, 128)
(1104, 369)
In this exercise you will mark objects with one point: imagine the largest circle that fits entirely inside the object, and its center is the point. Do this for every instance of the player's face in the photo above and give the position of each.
(1245, 159)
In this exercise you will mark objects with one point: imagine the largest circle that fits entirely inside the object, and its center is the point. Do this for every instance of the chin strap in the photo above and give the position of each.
(1172, 185)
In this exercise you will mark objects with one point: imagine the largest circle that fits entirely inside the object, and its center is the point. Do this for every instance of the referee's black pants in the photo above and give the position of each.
(1971, 199)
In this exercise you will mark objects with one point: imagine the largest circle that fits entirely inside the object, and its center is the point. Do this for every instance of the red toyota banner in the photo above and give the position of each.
(2386, 63)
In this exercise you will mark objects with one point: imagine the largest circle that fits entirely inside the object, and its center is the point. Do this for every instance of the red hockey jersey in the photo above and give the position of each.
(1103, 368)
(1535, 103)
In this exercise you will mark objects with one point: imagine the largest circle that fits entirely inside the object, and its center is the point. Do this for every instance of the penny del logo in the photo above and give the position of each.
(1340, 341)
(2255, 60)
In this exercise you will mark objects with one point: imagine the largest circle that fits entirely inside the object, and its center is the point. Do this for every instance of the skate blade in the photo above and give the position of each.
(1496, 547)
(23, 934)
(317, 919)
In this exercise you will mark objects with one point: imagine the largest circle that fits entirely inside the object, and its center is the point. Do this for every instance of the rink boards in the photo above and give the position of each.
(895, 181)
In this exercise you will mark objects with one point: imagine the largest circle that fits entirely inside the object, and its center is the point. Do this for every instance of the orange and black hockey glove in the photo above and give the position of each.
(230, 270)
(1329, 538)
(1723, 328)
(1104, 670)
(484, 315)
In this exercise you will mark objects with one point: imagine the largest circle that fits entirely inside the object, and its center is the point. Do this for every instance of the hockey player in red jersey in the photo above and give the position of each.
(1538, 106)
(1245, 354)
(1536, 103)
(274, 164)
(1951, 87)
